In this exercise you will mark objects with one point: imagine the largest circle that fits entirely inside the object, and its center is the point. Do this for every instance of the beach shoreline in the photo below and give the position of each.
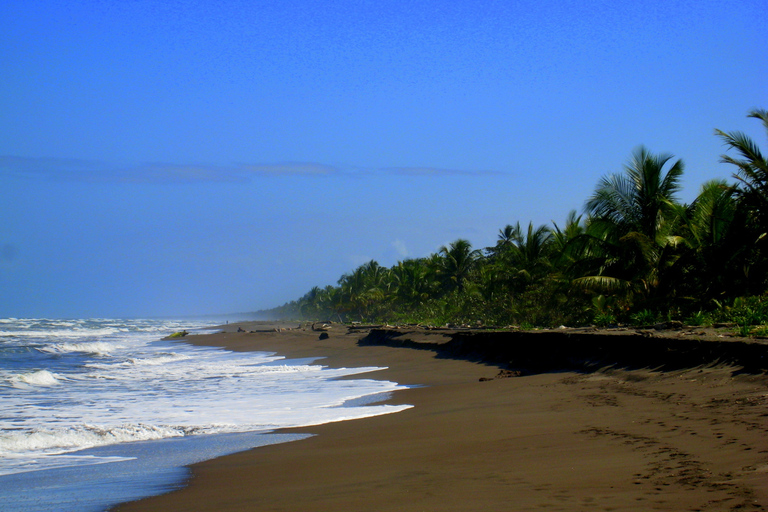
(580, 438)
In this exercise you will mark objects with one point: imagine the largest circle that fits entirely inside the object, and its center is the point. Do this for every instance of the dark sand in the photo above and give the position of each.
(686, 439)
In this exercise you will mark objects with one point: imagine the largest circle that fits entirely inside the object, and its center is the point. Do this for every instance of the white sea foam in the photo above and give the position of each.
(157, 359)
(60, 333)
(34, 378)
(95, 347)
(111, 382)
(52, 461)
(57, 441)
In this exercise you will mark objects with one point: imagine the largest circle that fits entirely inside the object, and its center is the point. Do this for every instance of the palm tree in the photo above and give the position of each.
(752, 167)
(308, 305)
(711, 264)
(563, 255)
(532, 250)
(412, 282)
(362, 288)
(752, 196)
(629, 236)
(527, 259)
(457, 262)
(332, 302)
(573, 228)
(709, 217)
(640, 199)
(508, 237)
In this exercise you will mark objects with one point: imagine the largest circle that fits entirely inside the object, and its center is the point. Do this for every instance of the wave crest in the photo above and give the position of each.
(85, 436)
(34, 379)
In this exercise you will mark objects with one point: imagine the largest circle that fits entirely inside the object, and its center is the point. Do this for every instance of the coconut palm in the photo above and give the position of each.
(711, 265)
(508, 236)
(309, 305)
(527, 259)
(573, 228)
(629, 241)
(362, 288)
(752, 196)
(331, 301)
(456, 264)
(412, 281)
(532, 250)
(563, 255)
(708, 219)
(640, 200)
(752, 167)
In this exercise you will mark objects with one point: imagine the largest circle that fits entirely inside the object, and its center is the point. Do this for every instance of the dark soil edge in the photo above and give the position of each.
(532, 352)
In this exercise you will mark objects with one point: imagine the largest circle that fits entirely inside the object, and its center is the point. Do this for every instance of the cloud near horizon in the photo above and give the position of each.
(400, 248)
(94, 171)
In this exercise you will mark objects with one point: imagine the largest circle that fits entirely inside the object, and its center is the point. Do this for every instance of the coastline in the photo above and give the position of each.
(689, 438)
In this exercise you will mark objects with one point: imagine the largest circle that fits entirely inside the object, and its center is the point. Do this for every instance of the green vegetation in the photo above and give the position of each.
(698, 318)
(644, 318)
(637, 255)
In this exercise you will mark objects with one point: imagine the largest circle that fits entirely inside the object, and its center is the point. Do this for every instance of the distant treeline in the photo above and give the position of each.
(635, 254)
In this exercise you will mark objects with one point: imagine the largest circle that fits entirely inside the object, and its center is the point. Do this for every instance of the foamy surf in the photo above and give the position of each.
(96, 396)
(96, 348)
(33, 379)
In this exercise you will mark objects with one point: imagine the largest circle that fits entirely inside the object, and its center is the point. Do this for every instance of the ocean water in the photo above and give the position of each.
(94, 412)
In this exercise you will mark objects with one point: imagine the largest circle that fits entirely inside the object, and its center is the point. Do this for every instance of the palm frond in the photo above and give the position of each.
(742, 143)
(603, 284)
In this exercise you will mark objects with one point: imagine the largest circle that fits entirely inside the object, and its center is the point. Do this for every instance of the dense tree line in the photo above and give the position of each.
(635, 253)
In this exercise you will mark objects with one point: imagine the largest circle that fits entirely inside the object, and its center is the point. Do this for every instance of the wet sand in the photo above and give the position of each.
(606, 439)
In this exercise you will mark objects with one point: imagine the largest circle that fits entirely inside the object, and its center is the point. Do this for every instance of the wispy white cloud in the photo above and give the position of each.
(400, 247)
(289, 169)
(94, 171)
(433, 171)
(171, 173)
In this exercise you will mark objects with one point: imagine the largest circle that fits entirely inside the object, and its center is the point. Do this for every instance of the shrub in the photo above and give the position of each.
(744, 330)
(604, 319)
(744, 310)
(698, 318)
(644, 317)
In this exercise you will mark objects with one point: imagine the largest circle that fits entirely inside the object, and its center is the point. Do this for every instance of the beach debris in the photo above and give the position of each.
(503, 374)
(179, 334)
(324, 336)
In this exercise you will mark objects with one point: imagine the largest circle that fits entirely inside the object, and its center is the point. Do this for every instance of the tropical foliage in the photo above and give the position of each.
(635, 255)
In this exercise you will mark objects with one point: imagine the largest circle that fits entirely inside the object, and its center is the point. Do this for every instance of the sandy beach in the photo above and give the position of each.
(691, 438)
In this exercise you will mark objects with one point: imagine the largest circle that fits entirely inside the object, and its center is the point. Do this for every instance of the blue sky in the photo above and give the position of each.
(169, 158)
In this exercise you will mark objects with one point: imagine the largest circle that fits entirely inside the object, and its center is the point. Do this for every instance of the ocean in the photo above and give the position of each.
(95, 412)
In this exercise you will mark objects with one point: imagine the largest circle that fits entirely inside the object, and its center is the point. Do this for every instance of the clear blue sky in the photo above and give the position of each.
(189, 157)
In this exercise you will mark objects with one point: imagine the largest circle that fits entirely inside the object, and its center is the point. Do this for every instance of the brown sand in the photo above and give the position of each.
(692, 439)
